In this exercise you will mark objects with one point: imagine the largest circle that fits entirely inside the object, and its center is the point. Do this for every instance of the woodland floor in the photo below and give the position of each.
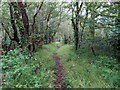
(57, 65)
(71, 70)
(59, 74)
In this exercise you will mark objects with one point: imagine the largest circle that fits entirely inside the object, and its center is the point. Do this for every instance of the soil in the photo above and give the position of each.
(59, 81)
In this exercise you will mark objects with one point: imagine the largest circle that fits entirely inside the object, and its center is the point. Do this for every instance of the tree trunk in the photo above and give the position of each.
(76, 31)
(24, 19)
(13, 24)
(0, 42)
(75, 21)
(33, 25)
(92, 33)
(47, 28)
(39, 26)
(118, 36)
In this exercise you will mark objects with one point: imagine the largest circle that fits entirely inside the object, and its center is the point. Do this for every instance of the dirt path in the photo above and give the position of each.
(59, 75)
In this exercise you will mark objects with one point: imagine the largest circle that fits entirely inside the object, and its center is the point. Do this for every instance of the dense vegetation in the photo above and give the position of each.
(60, 44)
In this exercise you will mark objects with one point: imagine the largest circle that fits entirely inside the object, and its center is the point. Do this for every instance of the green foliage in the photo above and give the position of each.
(83, 73)
(95, 20)
(23, 70)
(108, 68)
(108, 62)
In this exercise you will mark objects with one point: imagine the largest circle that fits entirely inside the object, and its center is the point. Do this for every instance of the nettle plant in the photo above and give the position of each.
(12, 65)
(108, 69)
(14, 57)
(22, 70)
(108, 62)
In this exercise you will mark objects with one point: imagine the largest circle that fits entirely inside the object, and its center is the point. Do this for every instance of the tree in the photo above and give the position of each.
(75, 20)
(25, 19)
(16, 38)
(0, 41)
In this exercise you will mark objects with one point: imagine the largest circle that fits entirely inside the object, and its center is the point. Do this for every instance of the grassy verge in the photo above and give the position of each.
(81, 73)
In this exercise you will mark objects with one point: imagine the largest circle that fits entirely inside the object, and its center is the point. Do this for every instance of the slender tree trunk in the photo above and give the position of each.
(33, 25)
(36, 13)
(5, 45)
(92, 41)
(76, 31)
(52, 37)
(47, 28)
(118, 36)
(75, 22)
(13, 24)
(0, 42)
(1, 55)
(74, 27)
(84, 23)
(39, 25)
(92, 33)
(24, 19)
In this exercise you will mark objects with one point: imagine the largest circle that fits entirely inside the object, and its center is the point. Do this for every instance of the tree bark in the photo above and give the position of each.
(84, 23)
(33, 24)
(13, 24)
(75, 22)
(76, 31)
(38, 25)
(0, 42)
(25, 19)
(35, 16)
(92, 31)
(47, 27)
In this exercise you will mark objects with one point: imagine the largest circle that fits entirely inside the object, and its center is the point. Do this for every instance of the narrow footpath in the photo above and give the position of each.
(59, 81)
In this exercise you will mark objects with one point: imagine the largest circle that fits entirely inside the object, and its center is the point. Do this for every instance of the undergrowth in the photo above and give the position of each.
(21, 70)
(86, 71)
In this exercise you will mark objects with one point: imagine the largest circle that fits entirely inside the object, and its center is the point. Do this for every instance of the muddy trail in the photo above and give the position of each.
(59, 81)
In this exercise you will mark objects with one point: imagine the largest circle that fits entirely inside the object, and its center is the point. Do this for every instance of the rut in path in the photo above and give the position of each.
(59, 75)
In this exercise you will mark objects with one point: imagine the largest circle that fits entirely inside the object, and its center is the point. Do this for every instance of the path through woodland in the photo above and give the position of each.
(59, 74)
(60, 44)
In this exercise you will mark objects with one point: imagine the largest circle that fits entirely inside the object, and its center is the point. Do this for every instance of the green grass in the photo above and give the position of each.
(44, 56)
(37, 72)
(81, 72)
